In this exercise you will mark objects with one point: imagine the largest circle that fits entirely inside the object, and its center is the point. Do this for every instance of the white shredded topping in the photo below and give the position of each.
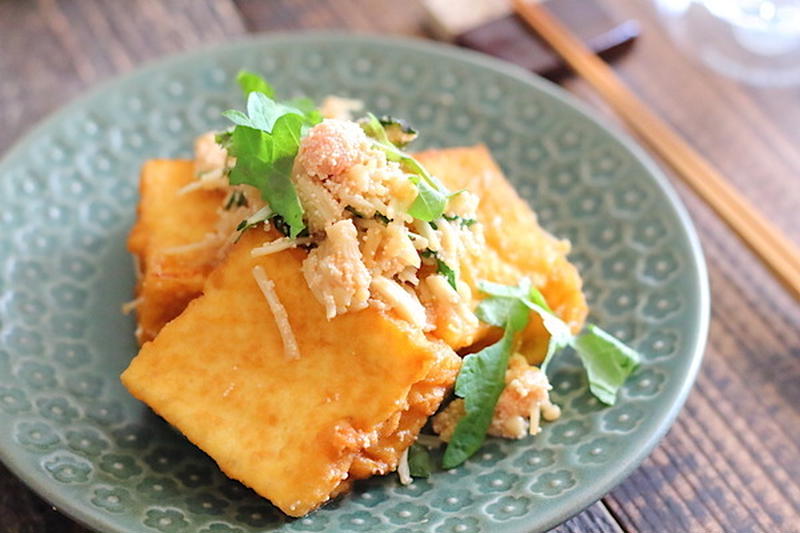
(212, 179)
(278, 245)
(403, 470)
(127, 307)
(403, 302)
(278, 311)
(207, 241)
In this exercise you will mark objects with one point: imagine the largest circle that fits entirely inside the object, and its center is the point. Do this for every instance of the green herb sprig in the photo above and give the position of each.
(480, 382)
(265, 141)
(608, 361)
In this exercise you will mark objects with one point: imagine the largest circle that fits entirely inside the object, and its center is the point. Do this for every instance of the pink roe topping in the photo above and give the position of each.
(331, 147)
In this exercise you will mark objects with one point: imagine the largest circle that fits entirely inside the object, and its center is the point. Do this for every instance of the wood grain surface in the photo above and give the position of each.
(731, 462)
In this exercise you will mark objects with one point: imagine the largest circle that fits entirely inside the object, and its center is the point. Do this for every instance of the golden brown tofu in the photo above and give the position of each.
(295, 430)
(167, 281)
(517, 246)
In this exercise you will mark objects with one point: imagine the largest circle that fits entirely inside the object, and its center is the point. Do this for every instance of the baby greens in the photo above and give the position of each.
(265, 141)
(608, 362)
(481, 381)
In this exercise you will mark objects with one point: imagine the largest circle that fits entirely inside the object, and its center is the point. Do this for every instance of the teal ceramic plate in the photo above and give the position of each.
(67, 199)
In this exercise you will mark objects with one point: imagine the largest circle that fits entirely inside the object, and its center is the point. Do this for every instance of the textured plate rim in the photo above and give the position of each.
(652, 431)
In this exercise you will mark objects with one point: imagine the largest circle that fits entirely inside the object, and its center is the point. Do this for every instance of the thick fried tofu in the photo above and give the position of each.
(517, 246)
(168, 281)
(295, 430)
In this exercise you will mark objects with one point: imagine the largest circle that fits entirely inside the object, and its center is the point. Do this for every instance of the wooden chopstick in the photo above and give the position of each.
(777, 252)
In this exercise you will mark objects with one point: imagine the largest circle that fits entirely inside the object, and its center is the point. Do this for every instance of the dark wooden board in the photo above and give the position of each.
(51, 50)
(731, 462)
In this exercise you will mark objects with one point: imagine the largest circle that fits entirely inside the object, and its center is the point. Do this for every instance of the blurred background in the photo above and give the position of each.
(724, 73)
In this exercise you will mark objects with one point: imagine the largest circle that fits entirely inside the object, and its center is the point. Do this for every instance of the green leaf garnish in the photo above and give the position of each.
(560, 334)
(420, 463)
(262, 112)
(309, 109)
(429, 203)
(480, 382)
(265, 142)
(252, 82)
(265, 161)
(432, 194)
(608, 362)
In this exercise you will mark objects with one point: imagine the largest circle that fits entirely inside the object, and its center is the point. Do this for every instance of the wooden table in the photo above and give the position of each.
(731, 462)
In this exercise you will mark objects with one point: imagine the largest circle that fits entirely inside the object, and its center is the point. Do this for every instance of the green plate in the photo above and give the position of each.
(67, 198)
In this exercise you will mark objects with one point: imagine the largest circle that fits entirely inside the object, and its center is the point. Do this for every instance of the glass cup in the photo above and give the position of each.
(755, 41)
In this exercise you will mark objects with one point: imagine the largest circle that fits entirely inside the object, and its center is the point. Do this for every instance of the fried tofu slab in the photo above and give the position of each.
(168, 281)
(518, 246)
(292, 429)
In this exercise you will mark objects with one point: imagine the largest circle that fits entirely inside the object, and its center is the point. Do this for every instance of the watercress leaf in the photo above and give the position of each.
(308, 108)
(432, 195)
(388, 121)
(495, 310)
(608, 362)
(420, 463)
(489, 311)
(537, 297)
(429, 203)
(252, 82)
(238, 118)
(560, 337)
(265, 161)
(506, 291)
(252, 149)
(480, 382)
(263, 111)
(278, 190)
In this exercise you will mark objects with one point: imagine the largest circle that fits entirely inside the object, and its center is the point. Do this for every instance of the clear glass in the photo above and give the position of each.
(756, 41)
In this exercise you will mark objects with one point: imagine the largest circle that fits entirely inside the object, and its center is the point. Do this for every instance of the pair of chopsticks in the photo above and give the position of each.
(777, 252)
